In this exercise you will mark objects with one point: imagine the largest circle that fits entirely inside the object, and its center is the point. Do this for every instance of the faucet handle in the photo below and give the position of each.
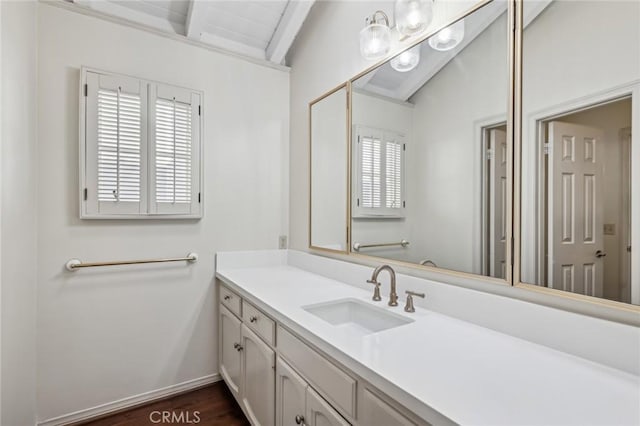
(409, 306)
(376, 291)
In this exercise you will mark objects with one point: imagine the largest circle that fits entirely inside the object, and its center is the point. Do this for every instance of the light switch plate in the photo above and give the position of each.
(609, 229)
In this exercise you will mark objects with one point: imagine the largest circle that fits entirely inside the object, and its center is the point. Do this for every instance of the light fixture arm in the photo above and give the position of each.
(373, 19)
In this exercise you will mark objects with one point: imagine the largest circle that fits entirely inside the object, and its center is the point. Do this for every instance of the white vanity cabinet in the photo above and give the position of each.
(279, 379)
(230, 357)
(320, 413)
(258, 379)
(291, 395)
(299, 404)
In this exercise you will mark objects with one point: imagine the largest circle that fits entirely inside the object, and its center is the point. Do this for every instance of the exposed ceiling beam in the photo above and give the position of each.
(196, 19)
(131, 15)
(292, 19)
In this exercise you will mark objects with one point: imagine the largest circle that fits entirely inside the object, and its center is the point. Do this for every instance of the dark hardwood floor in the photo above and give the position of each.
(210, 406)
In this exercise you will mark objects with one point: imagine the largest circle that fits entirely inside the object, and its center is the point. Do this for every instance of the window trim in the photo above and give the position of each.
(86, 181)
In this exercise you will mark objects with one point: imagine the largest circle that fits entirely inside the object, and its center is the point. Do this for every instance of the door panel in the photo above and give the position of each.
(575, 168)
(498, 203)
(258, 387)
(230, 336)
(291, 395)
(320, 413)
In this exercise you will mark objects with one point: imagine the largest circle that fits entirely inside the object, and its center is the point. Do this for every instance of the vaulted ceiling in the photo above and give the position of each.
(261, 29)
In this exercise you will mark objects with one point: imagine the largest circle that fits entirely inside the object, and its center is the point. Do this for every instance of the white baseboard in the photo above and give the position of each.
(130, 402)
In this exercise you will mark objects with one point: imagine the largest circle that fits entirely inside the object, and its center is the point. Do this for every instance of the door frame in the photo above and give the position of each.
(481, 226)
(626, 261)
(535, 123)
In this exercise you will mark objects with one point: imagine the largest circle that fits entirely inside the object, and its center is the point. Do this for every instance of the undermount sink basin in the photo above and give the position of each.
(356, 317)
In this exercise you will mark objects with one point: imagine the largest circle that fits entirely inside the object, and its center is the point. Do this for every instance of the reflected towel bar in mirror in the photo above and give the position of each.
(358, 246)
(75, 264)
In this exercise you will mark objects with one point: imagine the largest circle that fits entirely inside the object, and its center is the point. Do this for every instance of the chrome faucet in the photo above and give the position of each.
(393, 296)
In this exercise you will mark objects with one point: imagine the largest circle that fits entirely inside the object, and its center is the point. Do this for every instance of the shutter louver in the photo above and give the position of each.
(370, 164)
(173, 152)
(393, 175)
(119, 145)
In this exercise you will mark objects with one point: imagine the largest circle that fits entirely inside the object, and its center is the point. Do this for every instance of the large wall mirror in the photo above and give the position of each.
(581, 148)
(430, 151)
(328, 118)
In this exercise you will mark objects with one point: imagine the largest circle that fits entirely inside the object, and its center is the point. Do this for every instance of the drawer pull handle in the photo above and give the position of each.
(300, 420)
(227, 297)
(253, 319)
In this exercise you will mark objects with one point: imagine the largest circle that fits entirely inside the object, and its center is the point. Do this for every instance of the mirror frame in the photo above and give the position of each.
(347, 87)
(588, 305)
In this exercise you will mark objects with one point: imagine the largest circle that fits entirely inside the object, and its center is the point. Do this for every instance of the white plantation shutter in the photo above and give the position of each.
(393, 178)
(116, 140)
(119, 146)
(175, 151)
(140, 148)
(370, 162)
(379, 168)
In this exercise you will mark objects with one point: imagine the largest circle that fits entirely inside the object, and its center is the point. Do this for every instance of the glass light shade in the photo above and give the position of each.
(449, 37)
(407, 60)
(375, 41)
(413, 16)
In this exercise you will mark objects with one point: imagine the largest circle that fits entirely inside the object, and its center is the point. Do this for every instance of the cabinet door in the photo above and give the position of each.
(374, 411)
(291, 395)
(229, 340)
(320, 413)
(259, 379)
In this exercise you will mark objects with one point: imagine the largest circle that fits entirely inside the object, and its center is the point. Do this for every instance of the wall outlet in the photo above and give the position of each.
(282, 242)
(609, 229)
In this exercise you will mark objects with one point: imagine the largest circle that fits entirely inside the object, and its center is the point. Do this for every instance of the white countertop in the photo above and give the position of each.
(470, 374)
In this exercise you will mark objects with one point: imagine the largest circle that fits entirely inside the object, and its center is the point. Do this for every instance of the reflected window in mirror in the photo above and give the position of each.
(445, 101)
(580, 159)
(379, 171)
(329, 164)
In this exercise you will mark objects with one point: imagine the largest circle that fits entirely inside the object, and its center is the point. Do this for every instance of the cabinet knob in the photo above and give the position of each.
(227, 297)
(253, 319)
(235, 345)
(239, 348)
(300, 420)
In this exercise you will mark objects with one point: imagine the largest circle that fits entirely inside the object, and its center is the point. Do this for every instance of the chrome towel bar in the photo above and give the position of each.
(75, 264)
(358, 246)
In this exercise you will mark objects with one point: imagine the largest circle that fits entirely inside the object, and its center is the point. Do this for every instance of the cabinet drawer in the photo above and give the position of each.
(374, 411)
(264, 326)
(336, 385)
(231, 300)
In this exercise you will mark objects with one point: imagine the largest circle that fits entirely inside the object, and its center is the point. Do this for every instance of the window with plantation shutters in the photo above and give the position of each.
(379, 173)
(140, 148)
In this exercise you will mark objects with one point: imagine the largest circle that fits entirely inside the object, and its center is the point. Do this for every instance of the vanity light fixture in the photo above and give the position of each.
(375, 37)
(413, 16)
(407, 60)
(449, 37)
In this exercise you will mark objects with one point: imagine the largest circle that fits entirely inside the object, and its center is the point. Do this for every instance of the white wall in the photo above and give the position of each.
(18, 213)
(107, 334)
(472, 88)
